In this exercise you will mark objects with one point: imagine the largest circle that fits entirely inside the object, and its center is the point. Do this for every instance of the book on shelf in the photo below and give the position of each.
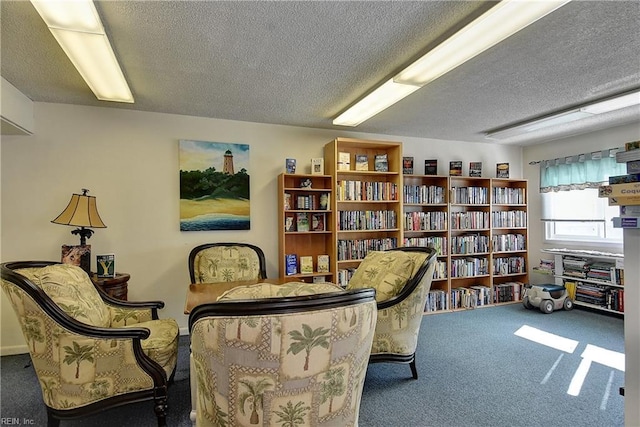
(633, 166)
(431, 167)
(407, 165)
(624, 201)
(344, 161)
(455, 168)
(381, 163)
(302, 221)
(475, 169)
(619, 190)
(289, 224)
(317, 166)
(290, 165)
(324, 201)
(626, 222)
(629, 210)
(306, 264)
(291, 264)
(287, 201)
(502, 170)
(106, 265)
(323, 263)
(633, 145)
(318, 221)
(624, 179)
(362, 162)
(627, 156)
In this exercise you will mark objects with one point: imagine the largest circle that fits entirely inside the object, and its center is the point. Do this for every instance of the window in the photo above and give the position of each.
(571, 208)
(579, 216)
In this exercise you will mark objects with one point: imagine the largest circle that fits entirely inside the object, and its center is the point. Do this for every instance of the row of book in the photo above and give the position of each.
(469, 195)
(469, 244)
(471, 220)
(601, 296)
(438, 243)
(509, 219)
(508, 242)
(357, 249)
(473, 296)
(624, 190)
(365, 190)
(303, 222)
(425, 221)
(305, 264)
(509, 196)
(469, 267)
(306, 202)
(367, 220)
(509, 265)
(424, 194)
(599, 270)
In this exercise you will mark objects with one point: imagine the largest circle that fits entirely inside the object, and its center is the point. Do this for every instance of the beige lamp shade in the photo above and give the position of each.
(81, 212)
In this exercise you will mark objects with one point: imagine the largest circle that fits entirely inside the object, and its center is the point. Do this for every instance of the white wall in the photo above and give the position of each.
(129, 161)
(610, 138)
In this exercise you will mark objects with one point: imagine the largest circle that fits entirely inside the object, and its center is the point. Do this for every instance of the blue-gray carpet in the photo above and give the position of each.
(473, 372)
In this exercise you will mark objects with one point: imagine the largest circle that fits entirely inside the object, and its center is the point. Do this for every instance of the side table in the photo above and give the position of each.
(115, 287)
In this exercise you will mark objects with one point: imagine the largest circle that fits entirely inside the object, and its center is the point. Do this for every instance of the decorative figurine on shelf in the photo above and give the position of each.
(305, 183)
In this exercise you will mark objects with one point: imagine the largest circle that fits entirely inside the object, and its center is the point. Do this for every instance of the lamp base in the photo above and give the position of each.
(79, 255)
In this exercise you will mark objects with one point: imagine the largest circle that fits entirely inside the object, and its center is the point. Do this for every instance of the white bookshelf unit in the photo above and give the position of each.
(593, 279)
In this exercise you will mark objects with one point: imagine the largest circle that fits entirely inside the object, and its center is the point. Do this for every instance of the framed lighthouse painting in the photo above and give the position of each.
(214, 186)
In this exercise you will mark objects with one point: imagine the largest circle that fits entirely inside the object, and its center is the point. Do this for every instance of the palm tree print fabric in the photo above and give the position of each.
(226, 264)
(285, 370)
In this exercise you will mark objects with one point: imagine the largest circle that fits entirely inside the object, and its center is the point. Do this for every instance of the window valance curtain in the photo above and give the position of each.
(578, 172)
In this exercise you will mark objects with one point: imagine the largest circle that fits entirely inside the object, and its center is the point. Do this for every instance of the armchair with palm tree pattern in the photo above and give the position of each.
(284, 361)
(90, 352)
(226, 262)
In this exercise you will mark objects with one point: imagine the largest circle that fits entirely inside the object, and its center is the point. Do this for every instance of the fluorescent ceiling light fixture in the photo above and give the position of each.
(384, 96)
(501, 21)
(498, 23)
(77, 27)
(590, 110)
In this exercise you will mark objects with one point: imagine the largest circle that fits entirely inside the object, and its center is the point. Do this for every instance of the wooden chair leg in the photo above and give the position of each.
(160, 408)
(51, 421)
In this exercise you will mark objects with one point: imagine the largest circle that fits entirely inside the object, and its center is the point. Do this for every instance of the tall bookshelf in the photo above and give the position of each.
(480, 231)
(306, 224)
(367, 199)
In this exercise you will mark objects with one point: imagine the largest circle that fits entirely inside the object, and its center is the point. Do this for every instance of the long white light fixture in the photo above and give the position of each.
(601, 107)
(77, 27)
(501, 21)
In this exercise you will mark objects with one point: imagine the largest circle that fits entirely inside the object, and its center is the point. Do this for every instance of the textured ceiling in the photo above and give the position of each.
(302, 63)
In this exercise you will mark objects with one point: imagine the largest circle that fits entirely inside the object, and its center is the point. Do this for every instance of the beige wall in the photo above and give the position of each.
(129, 161)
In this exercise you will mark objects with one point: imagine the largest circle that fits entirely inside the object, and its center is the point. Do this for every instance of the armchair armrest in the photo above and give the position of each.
(154, 306)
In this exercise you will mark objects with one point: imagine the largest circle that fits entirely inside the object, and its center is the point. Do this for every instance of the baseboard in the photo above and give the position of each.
(184, 331)
(14, 349)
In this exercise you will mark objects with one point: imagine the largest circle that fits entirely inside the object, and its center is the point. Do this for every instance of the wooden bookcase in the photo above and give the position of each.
(367, 201)
(479, 226)
(296, 202)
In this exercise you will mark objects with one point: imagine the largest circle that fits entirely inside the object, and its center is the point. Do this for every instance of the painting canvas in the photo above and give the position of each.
(214, 186)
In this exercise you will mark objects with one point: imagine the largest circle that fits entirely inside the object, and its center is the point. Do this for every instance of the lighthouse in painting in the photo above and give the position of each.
(227, 167)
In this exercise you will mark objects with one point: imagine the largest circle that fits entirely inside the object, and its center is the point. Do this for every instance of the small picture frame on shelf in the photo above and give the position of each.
(289, 224)
(302, 221)
(431, 167)
(455, 168)
(290, 166)
(317, 166)
(344, 161)
(306, 264)
(475, 169)
(323, 263)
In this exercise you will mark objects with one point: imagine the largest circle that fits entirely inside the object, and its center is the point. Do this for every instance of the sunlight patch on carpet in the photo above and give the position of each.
(545, 338)
(591, 354)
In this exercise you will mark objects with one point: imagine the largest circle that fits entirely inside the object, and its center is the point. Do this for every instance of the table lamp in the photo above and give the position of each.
(80, 212)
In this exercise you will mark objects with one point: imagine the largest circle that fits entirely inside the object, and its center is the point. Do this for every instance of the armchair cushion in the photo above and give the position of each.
(387, 272)
(162, 344)
(267, 290)
(72, 290)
